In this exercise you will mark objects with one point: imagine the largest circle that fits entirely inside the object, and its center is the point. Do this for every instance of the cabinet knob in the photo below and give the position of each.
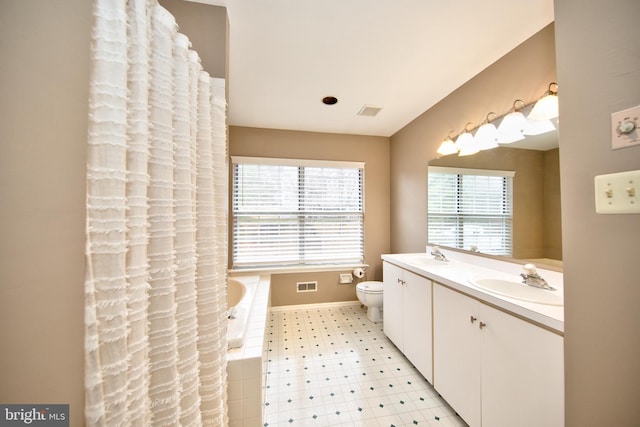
(482, 325)
(472, 319)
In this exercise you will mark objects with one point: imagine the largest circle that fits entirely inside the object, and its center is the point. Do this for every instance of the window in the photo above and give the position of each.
(471, 209)
(296, 212)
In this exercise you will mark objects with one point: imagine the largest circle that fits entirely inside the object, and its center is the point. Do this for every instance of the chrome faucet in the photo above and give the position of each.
(438, 255)
(532, 278)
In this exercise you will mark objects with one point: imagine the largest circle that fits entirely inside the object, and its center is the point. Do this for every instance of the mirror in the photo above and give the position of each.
(537, 235)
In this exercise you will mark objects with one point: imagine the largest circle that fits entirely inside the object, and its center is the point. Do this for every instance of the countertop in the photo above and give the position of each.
(456, 273)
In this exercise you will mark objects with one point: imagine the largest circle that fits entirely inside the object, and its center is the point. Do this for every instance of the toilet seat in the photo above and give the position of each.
(370, 287)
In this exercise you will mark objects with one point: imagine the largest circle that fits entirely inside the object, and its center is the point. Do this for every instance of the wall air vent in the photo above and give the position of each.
(369, 110)
(307, 286)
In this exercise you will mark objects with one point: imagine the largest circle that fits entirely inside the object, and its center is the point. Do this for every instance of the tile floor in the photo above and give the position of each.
(332, 367)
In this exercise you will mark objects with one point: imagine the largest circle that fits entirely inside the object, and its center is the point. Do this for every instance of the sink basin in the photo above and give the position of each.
(518, 290)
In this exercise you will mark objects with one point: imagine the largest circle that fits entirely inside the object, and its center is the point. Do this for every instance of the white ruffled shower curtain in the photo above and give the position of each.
(155, 306)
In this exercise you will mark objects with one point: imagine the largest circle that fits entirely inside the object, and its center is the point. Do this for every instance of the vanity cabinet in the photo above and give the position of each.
(407, 316)
(493, 368)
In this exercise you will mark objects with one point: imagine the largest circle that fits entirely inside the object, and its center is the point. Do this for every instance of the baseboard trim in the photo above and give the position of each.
(315, 306)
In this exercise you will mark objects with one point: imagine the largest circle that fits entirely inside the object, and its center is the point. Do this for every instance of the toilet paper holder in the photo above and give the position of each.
(359, 272)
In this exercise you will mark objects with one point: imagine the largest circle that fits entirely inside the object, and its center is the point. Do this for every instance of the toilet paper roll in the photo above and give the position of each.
(358, 272)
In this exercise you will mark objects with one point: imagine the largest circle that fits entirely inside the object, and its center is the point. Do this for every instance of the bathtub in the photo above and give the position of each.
(240, 293)
(248, 304)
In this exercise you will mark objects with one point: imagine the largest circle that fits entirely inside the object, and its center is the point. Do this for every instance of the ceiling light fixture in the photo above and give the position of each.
(329, 100)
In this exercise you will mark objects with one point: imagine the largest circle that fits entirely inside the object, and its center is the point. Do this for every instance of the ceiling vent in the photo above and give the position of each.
(369, 110)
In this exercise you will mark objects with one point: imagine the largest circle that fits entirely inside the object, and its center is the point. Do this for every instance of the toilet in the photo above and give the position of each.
(370, 294)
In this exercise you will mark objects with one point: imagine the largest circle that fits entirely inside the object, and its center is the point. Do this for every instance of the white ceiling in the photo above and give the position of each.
(401, 55)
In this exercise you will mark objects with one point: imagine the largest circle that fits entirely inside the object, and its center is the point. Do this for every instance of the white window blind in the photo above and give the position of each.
(296, 212)
(471, 209)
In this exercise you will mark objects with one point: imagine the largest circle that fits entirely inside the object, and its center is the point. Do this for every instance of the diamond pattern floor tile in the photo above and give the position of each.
(330, 366)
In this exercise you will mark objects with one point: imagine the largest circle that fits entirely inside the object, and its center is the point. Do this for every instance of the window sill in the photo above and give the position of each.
(297, 268)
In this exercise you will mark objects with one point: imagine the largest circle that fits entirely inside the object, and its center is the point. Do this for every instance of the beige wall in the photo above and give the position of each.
(374, 151)
(524, 73)
(44, 77)
(284, 288)
(533, 186)
(206, 27)
(552, 231)
(598, 51)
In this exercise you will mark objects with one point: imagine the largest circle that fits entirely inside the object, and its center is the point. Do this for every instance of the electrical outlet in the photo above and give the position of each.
(618, 193)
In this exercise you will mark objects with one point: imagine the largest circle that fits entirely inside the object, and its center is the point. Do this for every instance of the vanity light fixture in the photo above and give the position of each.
(487, 134)
(512, 125)
(465, 142)
(547, 106)
(447, 146)
(465, 138)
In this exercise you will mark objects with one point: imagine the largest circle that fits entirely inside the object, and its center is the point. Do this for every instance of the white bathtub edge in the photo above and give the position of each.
(257, 320)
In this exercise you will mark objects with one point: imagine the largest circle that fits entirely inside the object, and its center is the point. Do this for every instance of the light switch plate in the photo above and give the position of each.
(624, 128)
(618, 193)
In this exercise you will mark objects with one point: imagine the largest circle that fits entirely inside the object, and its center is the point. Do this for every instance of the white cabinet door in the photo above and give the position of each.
(522, 373)
(418, 323)
(456, 352)
(407, 316)
(494, 369)
(392, 302)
